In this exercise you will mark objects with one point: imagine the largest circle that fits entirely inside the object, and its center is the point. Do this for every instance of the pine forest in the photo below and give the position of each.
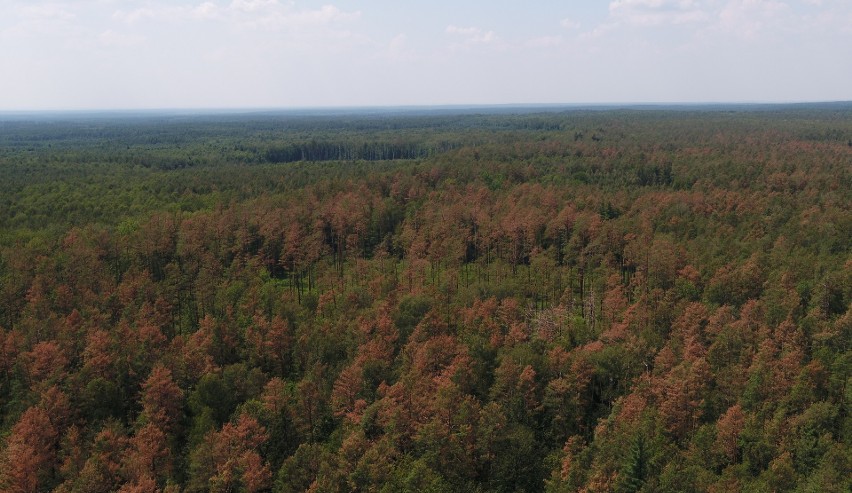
(645, 299)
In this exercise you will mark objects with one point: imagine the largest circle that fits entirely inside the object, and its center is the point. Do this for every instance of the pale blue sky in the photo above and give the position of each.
(127, 54)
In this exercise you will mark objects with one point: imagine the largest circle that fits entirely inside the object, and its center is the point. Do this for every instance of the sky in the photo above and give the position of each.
(160, 54)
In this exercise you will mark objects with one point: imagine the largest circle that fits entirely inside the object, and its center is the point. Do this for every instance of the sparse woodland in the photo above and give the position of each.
(594, 301)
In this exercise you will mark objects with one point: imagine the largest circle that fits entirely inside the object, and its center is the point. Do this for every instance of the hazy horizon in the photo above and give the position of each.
(429, 108)
(271, 55)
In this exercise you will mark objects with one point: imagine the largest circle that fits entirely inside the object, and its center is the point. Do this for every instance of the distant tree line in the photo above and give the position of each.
(350, 151)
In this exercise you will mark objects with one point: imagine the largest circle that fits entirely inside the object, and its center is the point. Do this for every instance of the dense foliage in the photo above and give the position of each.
(615, 300)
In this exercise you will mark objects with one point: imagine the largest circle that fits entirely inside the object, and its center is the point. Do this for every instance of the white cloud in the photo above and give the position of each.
(113, 39)
(569, 23)
(397, 50)
(657, 12)
(472, 35)
(463, 30)
(398, 45)
(253, 5)
(327, 14)
(746, 18)
(37, 21)
(250, 14)
(206, 10)
(709, 20)
(47, 11)
(544, 42)
(655, 4)
(134, 15)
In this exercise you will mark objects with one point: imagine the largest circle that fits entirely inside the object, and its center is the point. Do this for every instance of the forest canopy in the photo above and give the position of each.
(635, 299)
